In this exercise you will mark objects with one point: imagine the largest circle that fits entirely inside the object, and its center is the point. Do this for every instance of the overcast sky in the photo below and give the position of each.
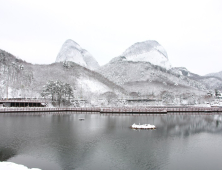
(189, 30)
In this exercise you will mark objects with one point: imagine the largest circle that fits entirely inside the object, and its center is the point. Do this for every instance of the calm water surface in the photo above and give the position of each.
(100, 142)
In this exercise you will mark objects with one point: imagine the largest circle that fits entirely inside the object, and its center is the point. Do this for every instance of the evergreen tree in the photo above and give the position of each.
(57, 91)
(217, 93)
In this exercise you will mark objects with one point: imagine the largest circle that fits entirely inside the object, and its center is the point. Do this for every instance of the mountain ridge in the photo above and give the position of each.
(216, 74)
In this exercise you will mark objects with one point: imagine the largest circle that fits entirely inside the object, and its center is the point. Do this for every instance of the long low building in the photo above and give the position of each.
(23, 103)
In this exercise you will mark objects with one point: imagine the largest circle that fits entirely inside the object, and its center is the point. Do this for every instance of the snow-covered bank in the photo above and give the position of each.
(14, 166)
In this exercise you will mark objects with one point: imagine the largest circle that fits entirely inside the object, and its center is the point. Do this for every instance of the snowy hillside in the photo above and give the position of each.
(71, 51)
(147, 51)
(146, 78)
(29, 81)
(87, 84)
(211, 82)
(218, 74)
(144, 69)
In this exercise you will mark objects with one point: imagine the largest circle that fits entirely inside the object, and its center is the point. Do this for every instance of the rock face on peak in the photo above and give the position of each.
(91, 63)
(147, 51)
(71, 51)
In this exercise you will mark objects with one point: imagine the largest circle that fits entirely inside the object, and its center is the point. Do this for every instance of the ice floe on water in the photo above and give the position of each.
(145, 126)
(14, 166)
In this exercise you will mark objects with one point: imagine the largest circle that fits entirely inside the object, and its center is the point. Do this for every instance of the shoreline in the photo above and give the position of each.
(115, 110)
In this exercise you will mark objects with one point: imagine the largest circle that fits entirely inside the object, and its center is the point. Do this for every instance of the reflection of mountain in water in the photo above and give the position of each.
(186, 125)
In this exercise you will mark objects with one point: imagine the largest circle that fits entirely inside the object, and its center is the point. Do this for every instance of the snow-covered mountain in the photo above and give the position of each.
(142, 71)
(148, 79)
(29, 81)
(71, 51)
(147, 51)
(218, 74)
(144, 68)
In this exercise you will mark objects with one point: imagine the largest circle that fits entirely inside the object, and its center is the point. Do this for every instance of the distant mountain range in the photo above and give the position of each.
(142, 71)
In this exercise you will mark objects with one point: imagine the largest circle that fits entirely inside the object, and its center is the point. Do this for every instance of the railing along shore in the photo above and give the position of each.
(110, 110)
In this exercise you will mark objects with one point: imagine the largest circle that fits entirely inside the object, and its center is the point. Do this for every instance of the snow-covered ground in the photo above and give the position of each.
(14, 166)
(92, 85)
(202, 105)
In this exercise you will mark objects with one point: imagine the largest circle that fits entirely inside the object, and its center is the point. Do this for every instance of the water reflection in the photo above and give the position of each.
(191, 124)
(6, 153)
(106, 141)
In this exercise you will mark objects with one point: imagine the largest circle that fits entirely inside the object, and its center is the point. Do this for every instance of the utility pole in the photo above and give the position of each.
(7, 91)
(7, 84)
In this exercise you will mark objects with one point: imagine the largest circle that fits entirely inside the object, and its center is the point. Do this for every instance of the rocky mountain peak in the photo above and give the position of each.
(72, 43)
(148, 51)
(72, 51)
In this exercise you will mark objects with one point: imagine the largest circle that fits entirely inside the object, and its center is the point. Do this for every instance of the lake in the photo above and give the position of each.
(100, 142)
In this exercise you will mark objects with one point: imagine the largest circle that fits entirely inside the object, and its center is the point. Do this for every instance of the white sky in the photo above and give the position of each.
(189, 30)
